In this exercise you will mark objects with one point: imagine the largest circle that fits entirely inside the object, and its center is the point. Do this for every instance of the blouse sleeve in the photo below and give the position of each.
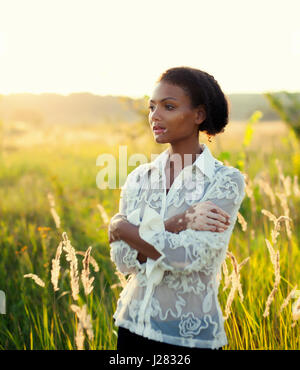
(121, 253)
(193, 250)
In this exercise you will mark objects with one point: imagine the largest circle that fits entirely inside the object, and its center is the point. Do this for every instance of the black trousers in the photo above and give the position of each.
(130, 342)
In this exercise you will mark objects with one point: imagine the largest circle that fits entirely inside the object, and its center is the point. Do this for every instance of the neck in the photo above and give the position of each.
(188, 154)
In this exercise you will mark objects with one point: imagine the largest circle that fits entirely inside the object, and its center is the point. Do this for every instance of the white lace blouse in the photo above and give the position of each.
(174, 299)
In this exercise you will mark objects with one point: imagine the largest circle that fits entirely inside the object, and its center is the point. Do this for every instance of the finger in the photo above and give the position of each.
(111, 237)
(213, 228)
(215, 209)
(216, 226)
(221, 225)
(220, 211)
(208, 228)
(216, 216)
(203, 226)
(223, 213)
(219, 217)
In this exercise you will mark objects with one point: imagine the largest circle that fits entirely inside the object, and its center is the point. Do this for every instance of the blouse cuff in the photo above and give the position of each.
(152, 230)
(133, 218)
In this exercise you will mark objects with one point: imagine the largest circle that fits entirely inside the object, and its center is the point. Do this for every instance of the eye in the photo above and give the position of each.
(169, 106)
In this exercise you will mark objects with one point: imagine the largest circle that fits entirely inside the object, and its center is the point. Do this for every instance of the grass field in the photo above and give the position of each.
(61, 161)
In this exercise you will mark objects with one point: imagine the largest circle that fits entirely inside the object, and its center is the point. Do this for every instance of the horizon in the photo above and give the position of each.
(126, 96)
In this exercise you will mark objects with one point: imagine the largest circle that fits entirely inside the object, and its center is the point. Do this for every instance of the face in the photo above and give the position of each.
(171, 115)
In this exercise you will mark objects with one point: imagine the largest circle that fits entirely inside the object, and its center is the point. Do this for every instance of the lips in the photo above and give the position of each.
(159, 129)
(156, 127)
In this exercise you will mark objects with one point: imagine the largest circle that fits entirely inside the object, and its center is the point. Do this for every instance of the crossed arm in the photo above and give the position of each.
(121, 229)
(202, 222)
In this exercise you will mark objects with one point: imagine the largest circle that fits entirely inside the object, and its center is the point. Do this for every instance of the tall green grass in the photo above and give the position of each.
(39, 318)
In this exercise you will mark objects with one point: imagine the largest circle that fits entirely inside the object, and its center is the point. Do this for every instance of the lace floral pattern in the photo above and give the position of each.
(174, 298)
(124, 257)
(191, 326)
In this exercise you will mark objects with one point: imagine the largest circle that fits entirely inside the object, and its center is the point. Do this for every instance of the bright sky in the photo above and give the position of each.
(120, 47)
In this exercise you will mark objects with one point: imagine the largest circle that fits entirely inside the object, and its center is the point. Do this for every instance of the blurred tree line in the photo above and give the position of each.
(87, 108)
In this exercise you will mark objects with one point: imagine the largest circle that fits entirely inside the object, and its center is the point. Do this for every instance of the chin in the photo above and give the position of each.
(161, 140)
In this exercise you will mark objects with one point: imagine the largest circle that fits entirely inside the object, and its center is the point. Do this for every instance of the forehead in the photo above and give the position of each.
(164, 89)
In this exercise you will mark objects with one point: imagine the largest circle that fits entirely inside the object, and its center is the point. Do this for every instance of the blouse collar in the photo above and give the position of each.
(205, 161)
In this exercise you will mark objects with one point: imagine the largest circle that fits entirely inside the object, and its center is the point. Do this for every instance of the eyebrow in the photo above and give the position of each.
(167, 98)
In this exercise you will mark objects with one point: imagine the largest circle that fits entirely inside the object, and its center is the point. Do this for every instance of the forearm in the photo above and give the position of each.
(130, 234)
(174, 224)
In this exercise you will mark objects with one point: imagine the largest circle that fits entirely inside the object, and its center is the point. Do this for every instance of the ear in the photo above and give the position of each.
(200, 114)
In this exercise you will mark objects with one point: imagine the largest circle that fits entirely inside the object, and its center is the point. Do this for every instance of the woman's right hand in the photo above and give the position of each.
(206, 216)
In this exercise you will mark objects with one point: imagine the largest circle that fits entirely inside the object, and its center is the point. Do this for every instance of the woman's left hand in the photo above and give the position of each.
(113, 232)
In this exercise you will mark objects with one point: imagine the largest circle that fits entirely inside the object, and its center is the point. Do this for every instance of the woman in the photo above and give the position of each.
(175, 221)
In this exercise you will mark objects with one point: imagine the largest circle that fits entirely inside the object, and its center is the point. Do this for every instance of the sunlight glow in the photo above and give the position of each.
(121, 47)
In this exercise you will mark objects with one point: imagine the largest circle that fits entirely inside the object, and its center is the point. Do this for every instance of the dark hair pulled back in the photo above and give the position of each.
(204, 90)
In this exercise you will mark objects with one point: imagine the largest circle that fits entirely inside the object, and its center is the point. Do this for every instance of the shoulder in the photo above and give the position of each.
(135, 177)
(230, 179)
(139, 170)
(233, 173)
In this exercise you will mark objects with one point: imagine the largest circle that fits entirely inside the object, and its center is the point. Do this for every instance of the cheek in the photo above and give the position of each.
(177, 119)
(181, 122)
(181, 117)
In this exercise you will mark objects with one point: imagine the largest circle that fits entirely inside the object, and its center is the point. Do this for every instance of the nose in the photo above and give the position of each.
(154, 116)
